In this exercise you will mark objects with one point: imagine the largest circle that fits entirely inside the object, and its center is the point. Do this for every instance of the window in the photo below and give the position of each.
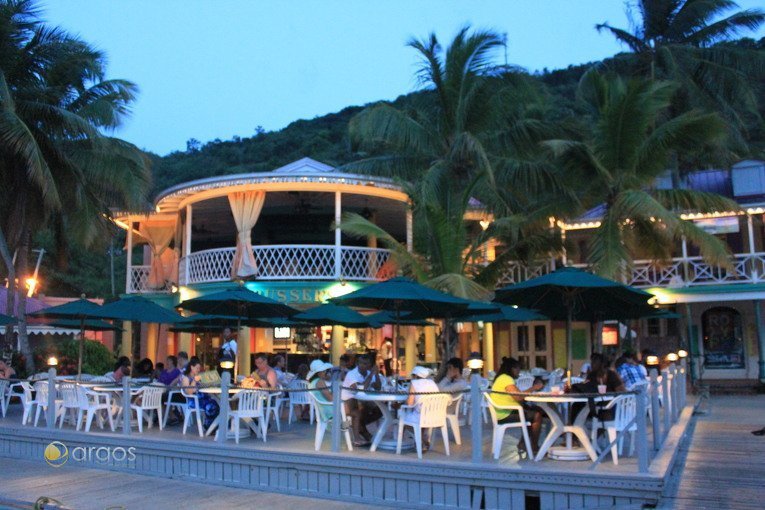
(524, 360)
(541, 362)
(523, 338)
(654, 327)
(723, 339)
(540, 338)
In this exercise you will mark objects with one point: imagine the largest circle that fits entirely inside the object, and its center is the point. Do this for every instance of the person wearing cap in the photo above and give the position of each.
(319, 376)
(421, 383)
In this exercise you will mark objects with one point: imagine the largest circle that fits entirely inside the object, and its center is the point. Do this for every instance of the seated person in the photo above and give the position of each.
(265, 376)
(6, 371)
(453, 381)
(121, 369)
(158, 369)
(600, 374)
(630, 371)
(280, 367)
(190, 383)
(420, 384)
(144, 368)
(504, 382)
(365, 375)
(319, 377)
(171, 375)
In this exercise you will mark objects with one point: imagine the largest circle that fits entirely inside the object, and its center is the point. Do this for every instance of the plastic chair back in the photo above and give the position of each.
(41, 393)
(626, 410)
(151, 397)
(69, 395)
(524, 382)
(433, 410)
(250, 403)
(299, 397)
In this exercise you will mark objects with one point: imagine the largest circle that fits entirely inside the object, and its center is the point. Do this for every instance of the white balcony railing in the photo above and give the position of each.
(678, 272)
(288, 262)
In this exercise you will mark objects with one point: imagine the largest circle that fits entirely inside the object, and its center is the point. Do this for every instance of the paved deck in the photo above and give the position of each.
(722, 465)
(84, 489)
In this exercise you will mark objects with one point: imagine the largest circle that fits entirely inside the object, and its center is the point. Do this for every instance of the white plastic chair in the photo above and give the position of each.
(500, 428)
(524, 382)
(428, 413)
(41, 401)
(251, 404)
(453, 417)
(26, 401)
(87, 403)
(150, 401)
(274, 408)
(189, 411)
(299, 398)
(322, 424)
(625, 410)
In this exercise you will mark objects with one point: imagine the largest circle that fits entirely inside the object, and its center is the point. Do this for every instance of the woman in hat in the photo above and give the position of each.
(318, 380)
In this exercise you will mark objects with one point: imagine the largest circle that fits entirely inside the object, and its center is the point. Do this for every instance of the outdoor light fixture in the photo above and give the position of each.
(227, 362)
(52, 361)
(672, 357)
(682, 353)
(173, 289)
(485, 224)
(475, 362)
(652, 361)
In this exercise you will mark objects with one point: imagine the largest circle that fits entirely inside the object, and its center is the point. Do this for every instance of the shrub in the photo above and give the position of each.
(97, 359)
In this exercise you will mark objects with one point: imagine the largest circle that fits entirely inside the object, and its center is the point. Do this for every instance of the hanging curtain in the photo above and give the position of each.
(177, 244)
(246, 207)
(158, 235)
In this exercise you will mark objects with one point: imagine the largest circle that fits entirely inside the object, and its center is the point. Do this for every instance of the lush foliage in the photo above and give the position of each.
(97, 359)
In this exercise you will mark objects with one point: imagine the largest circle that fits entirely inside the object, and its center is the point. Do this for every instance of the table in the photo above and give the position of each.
(382, 400)
(548, 404)
(116, 402)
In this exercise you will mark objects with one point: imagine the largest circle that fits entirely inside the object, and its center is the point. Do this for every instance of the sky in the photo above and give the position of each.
(211, 69)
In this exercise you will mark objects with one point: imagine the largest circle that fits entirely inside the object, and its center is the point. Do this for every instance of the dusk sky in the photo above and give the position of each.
(215, 69)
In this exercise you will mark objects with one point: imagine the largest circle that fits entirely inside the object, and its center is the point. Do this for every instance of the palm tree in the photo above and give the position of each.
(616, 163)
(60, 166)
(471, 134)
(680, 41)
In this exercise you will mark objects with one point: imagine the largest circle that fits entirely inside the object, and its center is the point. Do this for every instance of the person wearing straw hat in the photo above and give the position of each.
(318, 378)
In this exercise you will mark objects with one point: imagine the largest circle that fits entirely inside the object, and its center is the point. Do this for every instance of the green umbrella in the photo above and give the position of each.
(202, 323)
(79, 310)
(386, 317)
(331, 314)
(572, 294)
(6, 320)
(90, 324)
(505, 313)
(401, 295)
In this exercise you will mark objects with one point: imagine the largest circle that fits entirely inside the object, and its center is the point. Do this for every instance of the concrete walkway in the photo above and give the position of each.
(23, 482)
(722, 465)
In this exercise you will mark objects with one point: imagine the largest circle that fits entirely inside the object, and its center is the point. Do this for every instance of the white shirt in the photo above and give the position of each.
(355, 377)
(231, 347)
(387, 350)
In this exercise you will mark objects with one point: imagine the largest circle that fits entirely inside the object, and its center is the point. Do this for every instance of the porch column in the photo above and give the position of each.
(337, 347)
(410, 349)
(338, 235)
(409, 234)
(128, 275)
(488, 347)
(760, 338)
(152, 331)
(430, 344)
(564, 255)
(686, 275)
(243, 345)
(184, 344)
(187, 246)
(126, 349)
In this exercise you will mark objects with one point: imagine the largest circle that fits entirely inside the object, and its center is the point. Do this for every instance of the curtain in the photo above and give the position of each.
(246, 207)
(158, 235)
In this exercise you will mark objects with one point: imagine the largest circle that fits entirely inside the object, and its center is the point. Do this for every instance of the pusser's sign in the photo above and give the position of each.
(307, 293)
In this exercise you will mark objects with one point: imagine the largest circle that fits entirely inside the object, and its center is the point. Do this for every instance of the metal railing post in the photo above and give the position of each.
(476, 425)
(675, 393)
(225, 382)
(50, 413)
(642, 434)
(667, 404)
(126, 405)
(654, 393)
(683, 382)
(337, 410)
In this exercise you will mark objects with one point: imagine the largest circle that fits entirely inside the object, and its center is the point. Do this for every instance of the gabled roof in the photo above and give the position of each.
(304, 166)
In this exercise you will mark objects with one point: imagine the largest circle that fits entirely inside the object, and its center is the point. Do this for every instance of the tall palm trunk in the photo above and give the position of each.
(10, 308)
(23, 259)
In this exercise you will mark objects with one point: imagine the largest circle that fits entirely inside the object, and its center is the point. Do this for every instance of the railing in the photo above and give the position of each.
(139, 281)
(288, 262)
(679, 272)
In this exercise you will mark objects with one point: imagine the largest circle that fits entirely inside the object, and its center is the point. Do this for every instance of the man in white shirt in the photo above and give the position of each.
(228, 349)
(386, 350)
(366, 375)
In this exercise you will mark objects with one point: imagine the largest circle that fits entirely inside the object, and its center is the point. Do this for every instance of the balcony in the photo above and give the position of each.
(678, 272)
(276, 262)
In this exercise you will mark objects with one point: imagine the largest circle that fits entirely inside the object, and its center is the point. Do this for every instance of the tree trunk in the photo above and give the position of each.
(447, 343)
(10, 308)
(23, 258)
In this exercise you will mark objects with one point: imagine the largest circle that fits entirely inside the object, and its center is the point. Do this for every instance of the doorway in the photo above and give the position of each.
(532, 345)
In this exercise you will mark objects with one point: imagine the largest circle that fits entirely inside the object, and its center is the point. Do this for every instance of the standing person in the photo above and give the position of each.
(386, 350)
(228, 349)
(280, 367)
(183, 360)
(365, 375)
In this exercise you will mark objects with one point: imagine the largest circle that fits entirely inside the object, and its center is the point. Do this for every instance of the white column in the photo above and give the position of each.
(564, 256)
(129, 274)
(187, 245)
(752, 265)
(338, 234)
(409, 235)
(686, 276)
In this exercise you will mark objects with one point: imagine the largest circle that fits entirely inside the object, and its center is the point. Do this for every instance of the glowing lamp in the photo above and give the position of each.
(475, 362)
(682, 353)
(672, 357)
(652, 361)
(52, 361)
(227, 362)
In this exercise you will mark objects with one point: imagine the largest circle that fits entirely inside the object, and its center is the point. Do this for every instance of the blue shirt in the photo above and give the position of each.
(630, 374)
(167, 378)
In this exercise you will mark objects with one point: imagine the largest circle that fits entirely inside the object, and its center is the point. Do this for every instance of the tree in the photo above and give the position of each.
(468, 136)
(61, 168)
(617, 161)
(683, 41)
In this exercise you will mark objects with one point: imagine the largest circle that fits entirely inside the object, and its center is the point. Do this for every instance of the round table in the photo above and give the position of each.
(382, 400)
(116, 402)
(550, 405)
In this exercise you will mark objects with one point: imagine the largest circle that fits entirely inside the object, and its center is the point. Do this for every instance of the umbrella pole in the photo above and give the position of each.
(236, 356)
(395, 342)
(82, 348)
(569, 338)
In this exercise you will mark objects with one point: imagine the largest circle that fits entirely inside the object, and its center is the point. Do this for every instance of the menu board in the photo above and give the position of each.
(723, 339)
